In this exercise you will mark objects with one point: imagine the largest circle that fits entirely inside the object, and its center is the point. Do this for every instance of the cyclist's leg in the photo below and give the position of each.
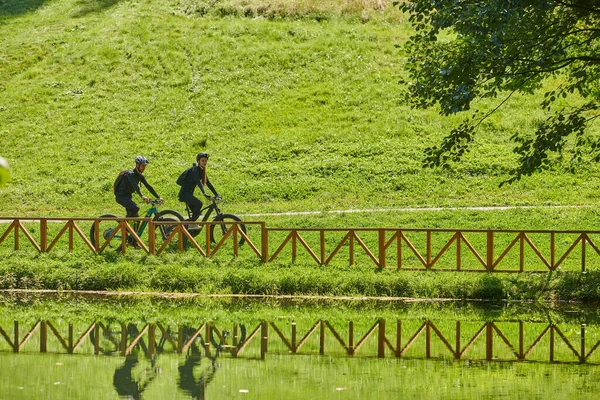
(193, 203)
(131, 207)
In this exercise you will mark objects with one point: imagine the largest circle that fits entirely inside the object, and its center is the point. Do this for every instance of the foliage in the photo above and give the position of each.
(467, 50)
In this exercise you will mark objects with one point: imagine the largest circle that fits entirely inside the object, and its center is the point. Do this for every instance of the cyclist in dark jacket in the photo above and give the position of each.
(130, 184)
(196, 176)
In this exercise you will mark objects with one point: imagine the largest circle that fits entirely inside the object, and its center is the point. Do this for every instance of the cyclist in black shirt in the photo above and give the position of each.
(130, 183)
(192, 177)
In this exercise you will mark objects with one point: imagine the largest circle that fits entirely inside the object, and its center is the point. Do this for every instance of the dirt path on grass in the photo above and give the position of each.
(372, 210)
(416, 209)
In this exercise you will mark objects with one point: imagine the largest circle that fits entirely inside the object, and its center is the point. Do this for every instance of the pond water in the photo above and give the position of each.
(151, 347)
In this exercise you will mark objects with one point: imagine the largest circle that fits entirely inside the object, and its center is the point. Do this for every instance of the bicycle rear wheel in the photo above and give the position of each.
(105, 228)
(217, 231)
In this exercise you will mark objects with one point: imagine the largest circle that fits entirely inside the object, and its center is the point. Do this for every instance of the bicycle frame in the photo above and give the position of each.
(206, 211)
(151, 213)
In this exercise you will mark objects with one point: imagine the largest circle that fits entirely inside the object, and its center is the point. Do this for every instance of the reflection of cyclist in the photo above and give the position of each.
(128, 182)
(192, 177)
(123, 379)
(187, 382)
(124, 382)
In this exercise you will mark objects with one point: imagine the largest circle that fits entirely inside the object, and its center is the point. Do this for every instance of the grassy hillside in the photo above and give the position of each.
(298, 103)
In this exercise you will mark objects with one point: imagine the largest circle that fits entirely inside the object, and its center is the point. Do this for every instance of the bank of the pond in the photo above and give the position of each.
(238, 276)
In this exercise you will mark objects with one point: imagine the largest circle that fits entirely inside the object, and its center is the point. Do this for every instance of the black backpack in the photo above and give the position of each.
(184, 175)
(118, 181)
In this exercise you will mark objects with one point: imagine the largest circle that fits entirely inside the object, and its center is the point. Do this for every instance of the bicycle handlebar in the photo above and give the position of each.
(156, 202)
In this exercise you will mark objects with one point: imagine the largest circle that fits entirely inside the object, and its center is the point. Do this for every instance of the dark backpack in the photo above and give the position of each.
(118, 181)
(184, 176)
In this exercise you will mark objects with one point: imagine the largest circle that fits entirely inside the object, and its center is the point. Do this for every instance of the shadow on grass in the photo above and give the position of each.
(12, 8)
(86, 7)
(18, 7)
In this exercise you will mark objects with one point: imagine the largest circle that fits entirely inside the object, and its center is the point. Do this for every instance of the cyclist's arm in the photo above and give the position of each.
(211, 187)
(149, 187)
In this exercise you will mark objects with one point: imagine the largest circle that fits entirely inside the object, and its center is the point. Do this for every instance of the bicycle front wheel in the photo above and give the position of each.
(105, 229)
(168, 215)
(217, 231)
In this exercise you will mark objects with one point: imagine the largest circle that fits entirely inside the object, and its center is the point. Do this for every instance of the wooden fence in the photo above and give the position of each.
(479, 340)
(472, 250)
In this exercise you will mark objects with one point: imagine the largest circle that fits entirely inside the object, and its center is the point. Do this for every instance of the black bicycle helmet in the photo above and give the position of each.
(141, 160)
(202, 155)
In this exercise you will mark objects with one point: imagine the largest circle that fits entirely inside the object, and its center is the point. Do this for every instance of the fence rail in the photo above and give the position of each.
(470, 340)
(469, 250)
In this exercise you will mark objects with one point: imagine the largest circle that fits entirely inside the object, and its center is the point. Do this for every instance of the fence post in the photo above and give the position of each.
(381, 339)
(207, 227)
(44, 234)
(399, 251)
(123, 343)
(490, 250)
(398, 339)
(322, 338)
(264, 240)
(70, 338)
(522, 252)
(264, 339)
(97, 234)
(322, 241)
(235, 228)
(152, 237)
(428, 339)
(458, 254)
(17, 224)
(70, 224)
(489, 341)
(124, 234)
(97, 338)
(351, 338)
(583, 240)
(552, 343)
(457, 353)
(294, 239)
(521, 338)
(352, 248)
(16, 342)
(552, 250)
(381, 248)
(43, 337)
(582, 354)
(235, 341)
(428, 249)
(207, 334)
(294, 334)
(180, 340)
(151, 339)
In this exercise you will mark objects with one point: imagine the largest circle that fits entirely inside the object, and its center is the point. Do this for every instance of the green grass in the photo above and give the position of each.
(191, 273)
(299, 112)
(297, 102)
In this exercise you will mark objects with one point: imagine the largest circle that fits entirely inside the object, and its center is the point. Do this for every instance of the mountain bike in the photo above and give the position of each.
(217, 231)
(107, 227)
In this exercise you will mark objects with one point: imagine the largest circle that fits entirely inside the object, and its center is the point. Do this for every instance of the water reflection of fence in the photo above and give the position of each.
(470, 340)
(406, 249)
